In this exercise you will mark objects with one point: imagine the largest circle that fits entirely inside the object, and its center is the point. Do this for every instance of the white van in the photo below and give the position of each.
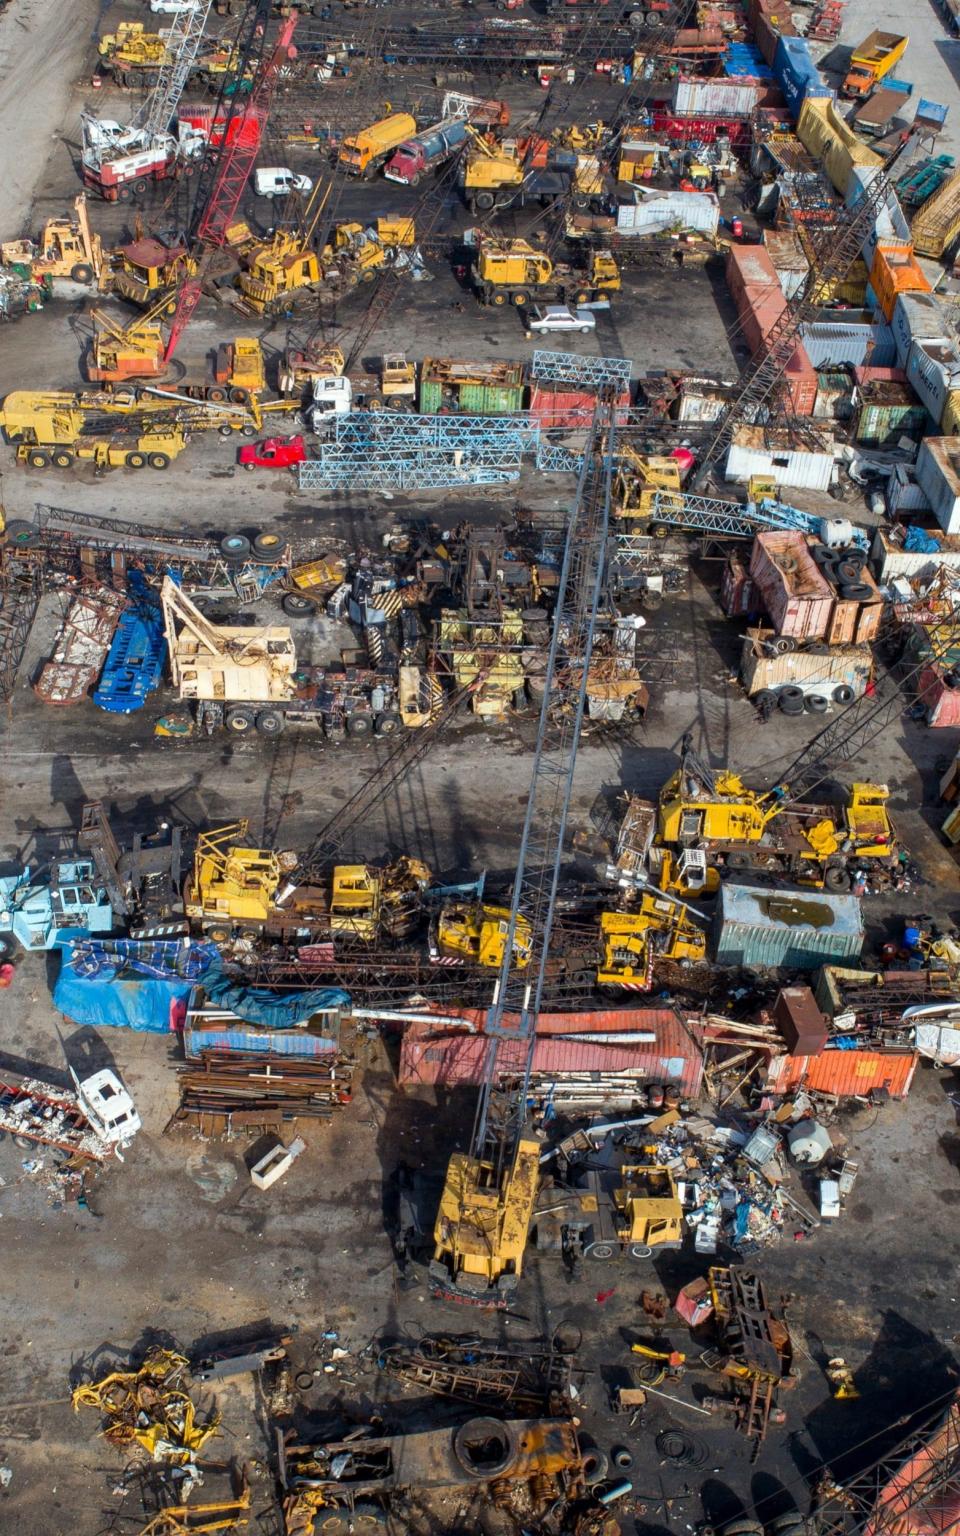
(277, 181)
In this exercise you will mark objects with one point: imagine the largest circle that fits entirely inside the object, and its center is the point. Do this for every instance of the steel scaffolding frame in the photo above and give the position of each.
(368, 431)
(588, 372)
(554, 459)
(405, 472)
(711, 514)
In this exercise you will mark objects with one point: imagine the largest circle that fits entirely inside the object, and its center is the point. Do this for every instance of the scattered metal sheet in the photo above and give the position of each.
(81, 647)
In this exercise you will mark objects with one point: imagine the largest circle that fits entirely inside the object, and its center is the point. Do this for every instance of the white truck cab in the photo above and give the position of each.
(332, 396)
(108, 1107)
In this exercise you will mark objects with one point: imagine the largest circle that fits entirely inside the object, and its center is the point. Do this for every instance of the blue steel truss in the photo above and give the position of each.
(393, 431)
(426, 471)
(571, 368)
(709, 514)
(554, 459)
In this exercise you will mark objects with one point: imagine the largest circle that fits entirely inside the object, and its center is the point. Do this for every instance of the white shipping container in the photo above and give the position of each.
(842, 667)
(889, 562)
(694, 407)
(933, 369)
(716, 98)
(891, 222)
(904, 491)
(917, 317)
(795, 467)
(676, 212)
(938, 471)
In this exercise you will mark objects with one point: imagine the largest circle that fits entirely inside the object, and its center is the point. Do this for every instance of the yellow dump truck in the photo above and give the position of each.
(361, 153)
(876, 56)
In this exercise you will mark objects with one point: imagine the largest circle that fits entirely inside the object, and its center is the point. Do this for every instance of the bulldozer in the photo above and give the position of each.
(65, 248)
(641, 478)
(632, 942)
(476, 934)
(145, 271)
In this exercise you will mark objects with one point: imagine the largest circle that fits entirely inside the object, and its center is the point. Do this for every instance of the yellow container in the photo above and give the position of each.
(950, 420)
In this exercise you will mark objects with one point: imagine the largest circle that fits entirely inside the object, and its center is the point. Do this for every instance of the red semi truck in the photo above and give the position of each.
(426, 151)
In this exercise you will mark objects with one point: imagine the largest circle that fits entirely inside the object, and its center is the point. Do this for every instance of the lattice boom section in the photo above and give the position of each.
(379, 431)
(571, 368)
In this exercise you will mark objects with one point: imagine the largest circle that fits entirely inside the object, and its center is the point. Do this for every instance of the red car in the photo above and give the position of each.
(273, 453)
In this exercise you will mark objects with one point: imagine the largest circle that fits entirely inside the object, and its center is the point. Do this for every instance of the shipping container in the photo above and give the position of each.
(789, 259)
(844, 1074)
(717, 97)
(856, 621)
(676, 212)
(699, 403)
(938, 471)
(933, 370)
(904, 491)
(794, 592)
(765, 929)
(890, 224)
(442, 1055)
(831, 344)
(797, 74)
(477, 389)
(893, 271)
(887, 413)
(555, 406)
(739, 596)
(823, 132)
(753, 451)
(917, 317)
(800, 383)
(936, 224)
(890, 560)
(816, 673)
(760, 312)
(941, 700)
(745, 59)
(749, 267)
(834, 400)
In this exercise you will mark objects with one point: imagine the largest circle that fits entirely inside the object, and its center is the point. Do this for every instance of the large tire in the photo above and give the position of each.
(601, 1252)
(271, 722)
(782, 645)
(855, 591)
(639, 1251)
(387, 724)
(484, 201)
(596, 1466)
(843, 694)
(816, 704)
(136, 460)
(766, 698)
(268, 547)
(37, 459)
(62, 458)
(836, 879)
(240, 721)
(9, 948)
(473, 1447)
(790, 700)
(235, 547)
(298, 607)
(82, 272)
(159, 461)
(359, 726)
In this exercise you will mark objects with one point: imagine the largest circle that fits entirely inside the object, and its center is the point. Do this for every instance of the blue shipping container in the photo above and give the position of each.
(745, 59)
(837, 345)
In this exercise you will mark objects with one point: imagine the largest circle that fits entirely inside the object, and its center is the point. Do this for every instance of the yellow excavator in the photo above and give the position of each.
(641, 478)
(632, 942)
(476, 934)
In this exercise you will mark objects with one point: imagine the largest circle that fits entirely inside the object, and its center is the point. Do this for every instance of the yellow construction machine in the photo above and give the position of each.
(145, 271)
(132, 56)
(233, 886)
(132, 351)
(483, 1223)
(489, 169)
(642, 478)
(485, 655)
(476, 934)
(633, 941)
(514, 272)
(58, 428)
(225, 664)
(65, 248)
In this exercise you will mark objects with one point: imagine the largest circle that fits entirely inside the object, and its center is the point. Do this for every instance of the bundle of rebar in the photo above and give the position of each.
(223, 1089)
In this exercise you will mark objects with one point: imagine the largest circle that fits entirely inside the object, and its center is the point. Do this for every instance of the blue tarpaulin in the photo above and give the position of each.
(146, 1003)
(283, 1010)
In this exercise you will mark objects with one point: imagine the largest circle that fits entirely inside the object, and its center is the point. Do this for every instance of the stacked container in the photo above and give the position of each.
(890, 224)
(810, 602)
(937, 223)
(894, 271)
(796, 73)
(889, 411)
(822, 131)
(838, 343)
(769, 21)
(933, 371)
(917, 317)
(563, 405)
(938, 471)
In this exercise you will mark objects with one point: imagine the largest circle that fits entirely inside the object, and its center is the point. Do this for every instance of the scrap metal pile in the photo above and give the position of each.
(223, 1091)
(150, 1408)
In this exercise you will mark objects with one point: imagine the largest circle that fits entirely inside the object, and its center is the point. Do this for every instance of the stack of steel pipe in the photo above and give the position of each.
(260, 1089)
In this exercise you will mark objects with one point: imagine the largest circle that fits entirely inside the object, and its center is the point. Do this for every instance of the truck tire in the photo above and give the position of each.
(519, 299)
(159, 461)
(136, 460)
(225, 430)
(37, 459)
(297, 607)
(8, 946)
(217, 394)
(639, 1251)
(359, 726)
(781, 645)
(766, 698)
(485, 1447)
(240, 721)
(836, 878)
(124, 194)
(823, 555)
(790, 700)
(239, 396)
(596, 1465)
(387, 724)
(82, 272)
(62, 458)
(235, 547)
(843, 694)
(601, 1252)
(271, 722)
(816, 704)
(498, 298)
(484, 201)
(855, 591)
(140, 186)
(268, 547)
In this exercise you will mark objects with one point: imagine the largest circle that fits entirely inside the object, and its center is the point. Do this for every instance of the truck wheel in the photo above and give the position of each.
(124, 194)
(140, 187)
(843, 694)
(519, 300)
(297, 607)
(816, 704)
(271, 722)
(8, 946)
(37, 459)
(268, 546)
(781, 645)
(854, 591)
(359, 726)
(217, 393)
(82, 272)
(239, 396)
(136, 460)
(484, 201)
(639, 1251)
(499, 299)
(835, 878)
(159, 461)
(62, 459)
(235, 547)
(240, 721)
(387, 724)
(225, 430)
(601, 1252)
(766, 698)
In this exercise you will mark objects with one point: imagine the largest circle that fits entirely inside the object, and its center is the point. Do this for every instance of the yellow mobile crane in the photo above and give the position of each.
(483, 1221)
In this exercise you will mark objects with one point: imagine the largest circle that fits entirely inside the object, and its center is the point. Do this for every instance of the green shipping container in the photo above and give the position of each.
(471, 399)
(881, 425)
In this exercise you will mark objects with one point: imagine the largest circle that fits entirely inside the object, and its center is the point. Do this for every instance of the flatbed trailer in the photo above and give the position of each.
(39, 1112)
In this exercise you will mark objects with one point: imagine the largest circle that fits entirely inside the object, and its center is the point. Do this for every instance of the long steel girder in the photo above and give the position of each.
(540, 856)
(379, 431)
(405, 472)
(711, 514)
(18, 608)
(184, 37)
(570, 368)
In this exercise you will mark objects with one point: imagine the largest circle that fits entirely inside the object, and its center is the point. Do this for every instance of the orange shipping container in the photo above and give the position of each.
(895, 270)
(844, 1073)
(800, 383)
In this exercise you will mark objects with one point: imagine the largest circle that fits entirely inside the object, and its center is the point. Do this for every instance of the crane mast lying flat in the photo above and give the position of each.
(483, 1221)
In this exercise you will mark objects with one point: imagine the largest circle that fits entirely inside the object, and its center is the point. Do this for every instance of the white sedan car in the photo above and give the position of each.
(173, 7)
(558, 317)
